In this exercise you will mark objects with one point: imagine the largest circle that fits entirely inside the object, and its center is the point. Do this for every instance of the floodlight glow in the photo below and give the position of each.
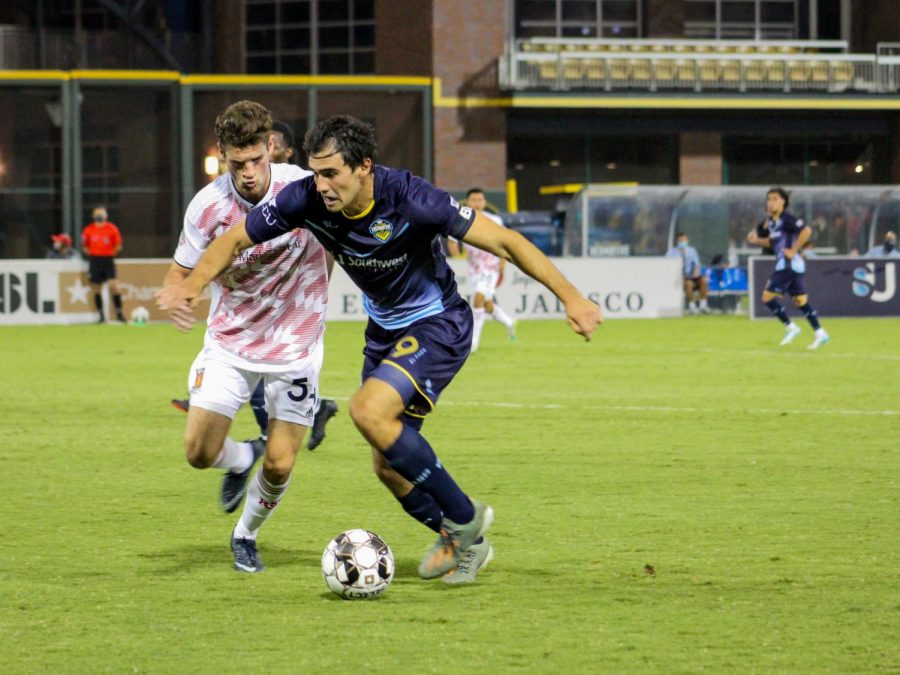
(211, 165)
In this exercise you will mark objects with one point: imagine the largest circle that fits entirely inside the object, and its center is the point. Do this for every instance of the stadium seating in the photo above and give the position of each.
(698, 65)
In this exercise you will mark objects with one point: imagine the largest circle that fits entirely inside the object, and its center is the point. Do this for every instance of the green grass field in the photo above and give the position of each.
(676, 496)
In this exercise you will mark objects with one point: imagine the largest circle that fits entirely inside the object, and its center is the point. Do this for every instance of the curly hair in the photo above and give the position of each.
(352, 138)
(243, 123)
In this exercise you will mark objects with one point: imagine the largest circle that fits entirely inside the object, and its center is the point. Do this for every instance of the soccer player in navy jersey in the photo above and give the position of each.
(787, 236)
(384, 226)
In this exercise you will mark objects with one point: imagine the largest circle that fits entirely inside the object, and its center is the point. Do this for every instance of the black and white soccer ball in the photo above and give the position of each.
(358, 565)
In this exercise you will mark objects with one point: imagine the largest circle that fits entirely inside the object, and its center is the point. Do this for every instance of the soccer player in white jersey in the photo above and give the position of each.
(485, 274)
(265, 323)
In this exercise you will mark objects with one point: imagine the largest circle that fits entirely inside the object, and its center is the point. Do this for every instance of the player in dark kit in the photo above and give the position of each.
(786, 237)
(383, 226)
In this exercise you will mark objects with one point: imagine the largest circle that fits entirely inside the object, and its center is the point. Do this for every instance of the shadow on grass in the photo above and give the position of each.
(187, 558)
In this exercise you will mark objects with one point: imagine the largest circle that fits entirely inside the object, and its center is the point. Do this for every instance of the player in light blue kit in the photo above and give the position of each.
(384, 226)
(787, 235)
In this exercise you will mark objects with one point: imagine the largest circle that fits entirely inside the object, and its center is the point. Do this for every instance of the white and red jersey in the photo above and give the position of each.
(268, 307)
(482, 262)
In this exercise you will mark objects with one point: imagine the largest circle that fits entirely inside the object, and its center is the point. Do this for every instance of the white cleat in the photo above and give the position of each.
(790, 334)
(821, 339)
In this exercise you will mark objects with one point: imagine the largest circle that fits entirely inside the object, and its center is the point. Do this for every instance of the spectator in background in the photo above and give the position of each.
(101, 242)
(888, 249)
(692, 273)
(61, 247)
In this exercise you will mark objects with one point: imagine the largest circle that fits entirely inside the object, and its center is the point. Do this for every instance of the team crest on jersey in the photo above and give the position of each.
(381, 229)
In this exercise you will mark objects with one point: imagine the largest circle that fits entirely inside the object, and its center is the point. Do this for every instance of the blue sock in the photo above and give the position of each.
(422, 507)
(811, 316)
(258, 404)
(776, 309)
(413, 458)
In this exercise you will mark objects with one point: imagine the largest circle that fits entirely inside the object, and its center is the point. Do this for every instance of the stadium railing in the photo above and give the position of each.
(559, 64)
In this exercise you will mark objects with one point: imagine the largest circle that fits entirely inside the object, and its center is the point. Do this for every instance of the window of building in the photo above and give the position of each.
(742, 19)
(578, 18)
(538, 163)
(310, 36)
(804, 161)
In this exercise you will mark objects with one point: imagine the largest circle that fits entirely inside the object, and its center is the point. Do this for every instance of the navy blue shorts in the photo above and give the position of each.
(419, 361)
(786, 281)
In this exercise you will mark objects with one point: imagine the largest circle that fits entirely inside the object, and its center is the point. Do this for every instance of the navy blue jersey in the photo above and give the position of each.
(391, 252)
(783, 233)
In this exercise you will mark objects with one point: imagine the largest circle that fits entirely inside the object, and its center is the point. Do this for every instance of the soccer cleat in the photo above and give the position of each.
(121, 318)
(234, 485)
(511, 331)
(440, 558)
(246, 557)
(470, 564)
(454, 541)
(181, 404)
(820, 340)
(790, 334)
(327, 410)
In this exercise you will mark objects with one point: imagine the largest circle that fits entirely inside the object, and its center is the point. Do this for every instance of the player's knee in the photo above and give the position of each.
(197, 454)
(278, 469)
(365, 414)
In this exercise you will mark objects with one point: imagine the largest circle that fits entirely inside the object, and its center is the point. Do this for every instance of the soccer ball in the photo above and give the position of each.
(140, 315)
(357, 565)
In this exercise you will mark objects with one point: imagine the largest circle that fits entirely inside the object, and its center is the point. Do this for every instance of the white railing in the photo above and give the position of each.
(690, 65)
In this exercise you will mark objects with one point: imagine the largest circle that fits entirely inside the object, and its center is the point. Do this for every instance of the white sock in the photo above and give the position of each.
(703, 304)
(478, 313)
(501, 316)
(262, 498)
(235, 457)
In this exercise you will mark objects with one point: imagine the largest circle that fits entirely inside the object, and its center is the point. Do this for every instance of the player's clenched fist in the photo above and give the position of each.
(583, 316)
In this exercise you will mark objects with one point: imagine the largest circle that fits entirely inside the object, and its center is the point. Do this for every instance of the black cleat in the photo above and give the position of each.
(181, 404)
(234, 485)
(246, 557)
(327, 410)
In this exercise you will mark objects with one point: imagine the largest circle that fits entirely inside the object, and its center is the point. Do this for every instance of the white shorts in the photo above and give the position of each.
(291, 396)
(485, 283)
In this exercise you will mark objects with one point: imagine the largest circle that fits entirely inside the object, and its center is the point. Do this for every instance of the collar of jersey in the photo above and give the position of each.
(359, 216)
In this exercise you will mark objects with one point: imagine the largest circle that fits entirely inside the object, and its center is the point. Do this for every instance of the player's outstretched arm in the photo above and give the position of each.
(582, 314)
(215, 260)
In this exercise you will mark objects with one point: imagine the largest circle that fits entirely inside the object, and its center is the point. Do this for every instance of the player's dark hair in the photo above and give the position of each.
(474, 191)
(243, 123)
(285, 131)
(781, 192)
(680, 234)
(352, 138)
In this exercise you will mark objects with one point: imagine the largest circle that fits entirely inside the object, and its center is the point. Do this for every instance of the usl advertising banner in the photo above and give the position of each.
(838, 286)
(57, 291)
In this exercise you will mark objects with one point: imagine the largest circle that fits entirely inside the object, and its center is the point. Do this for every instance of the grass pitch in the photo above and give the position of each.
(676, 496)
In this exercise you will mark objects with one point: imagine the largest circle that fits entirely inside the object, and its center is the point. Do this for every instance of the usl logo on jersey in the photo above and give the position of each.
(381, 229)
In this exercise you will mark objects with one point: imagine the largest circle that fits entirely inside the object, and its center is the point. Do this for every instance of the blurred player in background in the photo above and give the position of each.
(787, 237)
(383, 226)
(283, 152)
(266, 323)
(693, 279)
(101, 242)
(485, 274)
